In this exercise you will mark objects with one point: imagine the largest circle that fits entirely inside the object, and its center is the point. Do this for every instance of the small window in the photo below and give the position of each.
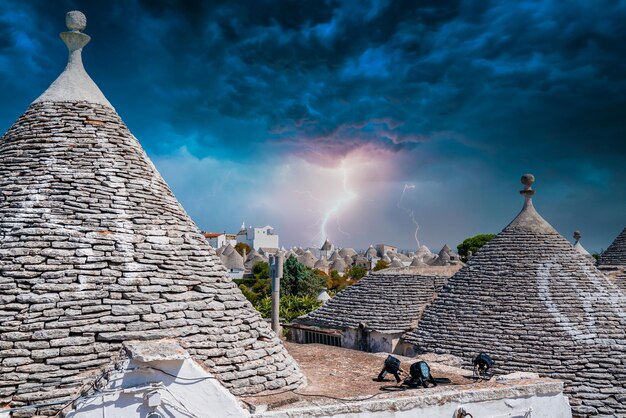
(312, 337)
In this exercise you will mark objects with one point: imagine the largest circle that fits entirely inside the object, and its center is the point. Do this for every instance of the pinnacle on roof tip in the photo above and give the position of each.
(74, 84)
(527, 181)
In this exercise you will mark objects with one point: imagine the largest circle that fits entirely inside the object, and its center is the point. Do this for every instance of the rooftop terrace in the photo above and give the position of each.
(341, 383)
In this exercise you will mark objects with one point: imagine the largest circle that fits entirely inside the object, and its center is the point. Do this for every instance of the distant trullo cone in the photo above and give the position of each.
(95, 250)
(615, 255)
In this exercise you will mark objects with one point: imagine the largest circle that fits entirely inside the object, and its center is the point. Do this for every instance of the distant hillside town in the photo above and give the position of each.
(242, 251)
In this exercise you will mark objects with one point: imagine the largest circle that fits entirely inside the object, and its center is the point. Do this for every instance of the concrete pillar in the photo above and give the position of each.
(276, 262)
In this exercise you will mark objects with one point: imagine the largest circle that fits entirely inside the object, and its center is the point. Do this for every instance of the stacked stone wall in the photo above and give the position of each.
(96, 250)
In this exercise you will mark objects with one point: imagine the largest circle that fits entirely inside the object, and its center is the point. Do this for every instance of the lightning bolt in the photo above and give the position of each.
(409, 211)
(334, 210)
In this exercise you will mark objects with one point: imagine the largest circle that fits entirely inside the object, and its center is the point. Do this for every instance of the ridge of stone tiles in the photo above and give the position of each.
(383, 302)
(95, 250)
(615, 255)
(533, 302)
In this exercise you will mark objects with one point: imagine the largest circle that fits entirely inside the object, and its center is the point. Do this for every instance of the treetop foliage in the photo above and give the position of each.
(473, 244)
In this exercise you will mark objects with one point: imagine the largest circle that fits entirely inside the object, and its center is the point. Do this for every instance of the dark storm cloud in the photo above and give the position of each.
(527, 79)
(508, 76)
(498, 86)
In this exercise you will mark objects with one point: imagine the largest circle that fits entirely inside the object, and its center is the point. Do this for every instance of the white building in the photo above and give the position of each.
(219, 239)
(216, 239)
(258, 238)
(384, 249)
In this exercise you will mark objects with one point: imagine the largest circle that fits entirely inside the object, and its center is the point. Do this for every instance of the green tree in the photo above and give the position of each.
(252, 296)
(291, 306)
(336, 282)
(356, 273)
(300, 280)
(241, 246)
(261, 270)
(473, 244)
(381, 265)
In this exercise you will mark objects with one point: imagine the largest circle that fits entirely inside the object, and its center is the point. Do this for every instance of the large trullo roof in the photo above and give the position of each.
(615, 255)
(532, 301)
(383, 301)
(96, 250)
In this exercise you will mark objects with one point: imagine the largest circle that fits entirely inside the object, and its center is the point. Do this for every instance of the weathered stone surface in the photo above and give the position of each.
(534, 303)
(87, 276)
(49, 334)
(383, 302)
(130, 309)
(92, 241)
(615, 255)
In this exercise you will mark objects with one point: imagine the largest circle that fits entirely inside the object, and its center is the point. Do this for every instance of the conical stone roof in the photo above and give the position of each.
(533, 302)
(396, 263)
(231, 259)
(402, 257)
(417, 262)
(347, 252)
(383, 301)
(615, 255)
(95, 250)
(253, 259)
(308, 259)
(423, 251)
(322, 265)
(338, 265)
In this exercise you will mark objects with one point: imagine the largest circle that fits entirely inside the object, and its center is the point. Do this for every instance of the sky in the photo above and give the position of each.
(356, 120)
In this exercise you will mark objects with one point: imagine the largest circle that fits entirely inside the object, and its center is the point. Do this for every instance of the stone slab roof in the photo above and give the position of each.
(95, 250)
(615, 255)
(231, 259)
(384, 302)
(534, 303)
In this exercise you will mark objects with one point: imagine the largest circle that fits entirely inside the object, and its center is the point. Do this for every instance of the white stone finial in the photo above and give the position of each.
(527, 181)
(74, 84)
(75, 21)
(75, 40)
